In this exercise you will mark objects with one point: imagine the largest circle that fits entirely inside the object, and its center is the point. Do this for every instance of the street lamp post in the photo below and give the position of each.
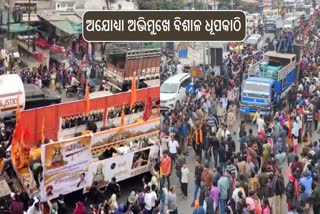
(232, 4)
(7, 6)
(29, 8)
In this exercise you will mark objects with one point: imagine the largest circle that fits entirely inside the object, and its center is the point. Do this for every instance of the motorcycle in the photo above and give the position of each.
(72, 91)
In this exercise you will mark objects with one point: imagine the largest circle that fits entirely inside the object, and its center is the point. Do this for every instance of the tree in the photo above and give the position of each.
(148, 4)
(172, 4)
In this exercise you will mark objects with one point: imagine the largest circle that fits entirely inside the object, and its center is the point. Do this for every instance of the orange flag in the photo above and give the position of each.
(42, 132)
(122, 117)
(133, 91)
(87, 100)
(105, 117)
(147, 109)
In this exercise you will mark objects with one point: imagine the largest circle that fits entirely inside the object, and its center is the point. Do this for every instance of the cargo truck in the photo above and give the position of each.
(267, 82)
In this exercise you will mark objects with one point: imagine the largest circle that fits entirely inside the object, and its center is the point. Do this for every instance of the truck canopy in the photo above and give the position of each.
(274, 65)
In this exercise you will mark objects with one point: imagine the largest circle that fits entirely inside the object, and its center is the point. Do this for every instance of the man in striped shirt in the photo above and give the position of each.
(309, 114)
(212, 122)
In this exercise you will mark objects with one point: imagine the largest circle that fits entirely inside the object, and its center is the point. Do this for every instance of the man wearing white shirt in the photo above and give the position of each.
(150, 200)
(295, 131)
(180, 68)
(235, 194)
(225, 133)
(224, 101)
(35, 207)
(261, 123)
(172, 146)
(299, 121)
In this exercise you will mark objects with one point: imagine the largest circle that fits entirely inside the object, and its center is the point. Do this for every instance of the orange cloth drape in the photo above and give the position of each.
(42, 132)
(87, 100)
(122, 117)
(133, 91)
(199, 137)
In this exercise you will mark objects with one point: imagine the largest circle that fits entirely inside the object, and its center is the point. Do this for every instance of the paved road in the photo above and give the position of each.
(184, 205)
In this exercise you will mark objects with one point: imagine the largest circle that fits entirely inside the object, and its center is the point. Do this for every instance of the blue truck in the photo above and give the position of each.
(267, 82)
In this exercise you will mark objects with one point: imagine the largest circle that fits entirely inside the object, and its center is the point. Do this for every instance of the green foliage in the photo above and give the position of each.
(148, 4)
(172, 4)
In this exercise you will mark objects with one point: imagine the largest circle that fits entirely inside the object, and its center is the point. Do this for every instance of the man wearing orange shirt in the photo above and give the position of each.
(166, 168)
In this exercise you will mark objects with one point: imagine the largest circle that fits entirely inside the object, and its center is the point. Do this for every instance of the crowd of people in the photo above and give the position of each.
(271, 166)
(96, 201)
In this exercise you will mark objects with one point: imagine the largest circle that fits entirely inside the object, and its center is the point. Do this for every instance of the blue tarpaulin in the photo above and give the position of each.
(183, 53)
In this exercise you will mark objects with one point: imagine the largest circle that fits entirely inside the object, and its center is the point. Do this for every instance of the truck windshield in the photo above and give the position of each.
(255, 89)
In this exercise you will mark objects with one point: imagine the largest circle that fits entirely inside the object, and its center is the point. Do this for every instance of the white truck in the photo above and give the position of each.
(273, 24)
(190, 57)
(291, 23)
(11, 87)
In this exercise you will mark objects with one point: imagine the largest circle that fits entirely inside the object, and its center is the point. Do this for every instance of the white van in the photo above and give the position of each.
(173, 91)
(291, 23)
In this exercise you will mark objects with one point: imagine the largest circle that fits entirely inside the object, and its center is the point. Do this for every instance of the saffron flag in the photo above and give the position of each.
(133, 91)
(42, 132)
(122, 117)
(18, 129)
(147, 109)
(105, 117)
(87, 100)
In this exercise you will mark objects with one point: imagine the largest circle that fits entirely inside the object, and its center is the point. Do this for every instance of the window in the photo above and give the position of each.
(169, 88)
(185, 83)
(284, 83)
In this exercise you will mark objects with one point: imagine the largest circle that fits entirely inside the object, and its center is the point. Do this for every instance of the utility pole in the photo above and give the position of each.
(29, 8)
(141, 64)
(232, 4)
(7, 5)
(204, 46)
(205, 7)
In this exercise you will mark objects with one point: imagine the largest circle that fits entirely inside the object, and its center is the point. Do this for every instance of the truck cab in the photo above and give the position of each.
(268, 81)
(291, 23)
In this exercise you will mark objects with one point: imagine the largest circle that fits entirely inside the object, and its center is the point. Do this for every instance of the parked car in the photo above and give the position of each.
(173, 91)
(39, 97)
(254, 40)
